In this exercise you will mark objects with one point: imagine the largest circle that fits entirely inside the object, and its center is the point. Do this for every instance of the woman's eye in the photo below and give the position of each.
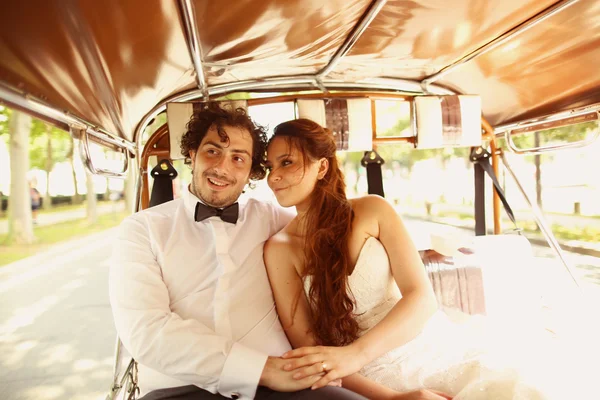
(285, 163)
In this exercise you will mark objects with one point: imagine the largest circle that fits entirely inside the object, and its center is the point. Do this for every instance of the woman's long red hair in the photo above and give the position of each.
(327, 224)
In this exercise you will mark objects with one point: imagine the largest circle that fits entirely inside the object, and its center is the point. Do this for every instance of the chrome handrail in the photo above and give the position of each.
(508, 137)
(354, 36)
(130, 372)
(500, 129)
(549, 148)
(62, 119)
(86, 158)
(190, 25)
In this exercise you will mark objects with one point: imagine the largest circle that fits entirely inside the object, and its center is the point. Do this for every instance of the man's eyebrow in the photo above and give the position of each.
(220, 147)
(215, 144)
(241, 151)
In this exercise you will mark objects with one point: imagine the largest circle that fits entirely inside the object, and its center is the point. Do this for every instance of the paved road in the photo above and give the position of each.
(56, 330)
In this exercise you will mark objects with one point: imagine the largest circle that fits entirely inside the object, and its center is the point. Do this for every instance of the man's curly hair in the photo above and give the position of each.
(213, 114)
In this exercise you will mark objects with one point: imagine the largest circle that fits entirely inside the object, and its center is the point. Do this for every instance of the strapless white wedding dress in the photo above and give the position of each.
(469, 360)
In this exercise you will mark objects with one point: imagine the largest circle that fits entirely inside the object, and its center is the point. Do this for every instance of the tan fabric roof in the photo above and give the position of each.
(111, 61)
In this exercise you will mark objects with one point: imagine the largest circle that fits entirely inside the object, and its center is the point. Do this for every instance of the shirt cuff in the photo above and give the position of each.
(241, 372)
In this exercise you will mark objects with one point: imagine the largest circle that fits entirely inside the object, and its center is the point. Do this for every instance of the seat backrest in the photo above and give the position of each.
(489, 276)
(456, 285)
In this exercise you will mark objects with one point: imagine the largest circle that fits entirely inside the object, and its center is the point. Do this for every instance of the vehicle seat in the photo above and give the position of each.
(456, 284)
(490, 275)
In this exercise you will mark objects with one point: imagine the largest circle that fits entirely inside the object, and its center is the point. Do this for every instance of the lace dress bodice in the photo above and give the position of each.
(372, 285)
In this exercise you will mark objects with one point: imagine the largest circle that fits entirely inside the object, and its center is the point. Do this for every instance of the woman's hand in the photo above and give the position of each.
(335, 362)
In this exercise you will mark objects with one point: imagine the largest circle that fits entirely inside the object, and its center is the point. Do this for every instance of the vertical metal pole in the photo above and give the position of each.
(480, 229)
(496, 197)
(495, 167)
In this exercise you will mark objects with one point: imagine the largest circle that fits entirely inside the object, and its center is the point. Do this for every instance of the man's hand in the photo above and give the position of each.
(422, 394)
(276, 378)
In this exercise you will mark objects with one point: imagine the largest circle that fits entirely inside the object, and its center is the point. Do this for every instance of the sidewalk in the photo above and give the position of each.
(63, 216)
(576, 246)
(570, 221)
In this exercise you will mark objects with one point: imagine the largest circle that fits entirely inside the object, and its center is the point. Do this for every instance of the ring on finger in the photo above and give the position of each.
(323, 366)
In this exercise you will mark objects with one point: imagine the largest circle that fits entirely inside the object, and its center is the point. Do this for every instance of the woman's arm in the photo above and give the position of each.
(408, 317)
(293, 309)
(404, 321)
(286, 284)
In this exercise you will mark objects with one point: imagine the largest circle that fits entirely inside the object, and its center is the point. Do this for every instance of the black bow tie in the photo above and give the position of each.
(228, 214)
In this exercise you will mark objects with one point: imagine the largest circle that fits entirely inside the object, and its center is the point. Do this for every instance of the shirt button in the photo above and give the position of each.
(235, 395)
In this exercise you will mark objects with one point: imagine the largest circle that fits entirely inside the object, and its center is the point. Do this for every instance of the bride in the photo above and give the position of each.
(352, 293)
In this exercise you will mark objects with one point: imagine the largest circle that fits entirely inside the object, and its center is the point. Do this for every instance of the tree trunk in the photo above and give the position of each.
(130, 184)
(538, 171)
(76, 196)
(91, 209)
(47, 204)
(107, 191)
(20, 222)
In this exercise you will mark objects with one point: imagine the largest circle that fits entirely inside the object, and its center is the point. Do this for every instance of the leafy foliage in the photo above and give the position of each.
(60, 145)
(4, 117)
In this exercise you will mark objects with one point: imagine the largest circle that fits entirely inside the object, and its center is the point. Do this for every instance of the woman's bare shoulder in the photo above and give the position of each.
(370, 208)
(281, 239)
(369, 203)
(282, 247)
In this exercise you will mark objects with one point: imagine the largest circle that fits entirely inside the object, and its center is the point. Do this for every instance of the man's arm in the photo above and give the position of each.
(160, 339)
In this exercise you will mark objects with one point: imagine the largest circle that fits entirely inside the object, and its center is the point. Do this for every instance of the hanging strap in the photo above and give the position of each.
(162, 189)
(481, 156)
(373, 162)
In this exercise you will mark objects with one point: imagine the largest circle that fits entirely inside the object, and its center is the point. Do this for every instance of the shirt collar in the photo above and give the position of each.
(190, 200)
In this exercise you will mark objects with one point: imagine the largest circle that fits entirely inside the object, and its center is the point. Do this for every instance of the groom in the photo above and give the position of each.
(188, 288)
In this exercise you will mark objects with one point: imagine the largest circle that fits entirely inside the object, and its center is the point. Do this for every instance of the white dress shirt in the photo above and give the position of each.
(192, 301)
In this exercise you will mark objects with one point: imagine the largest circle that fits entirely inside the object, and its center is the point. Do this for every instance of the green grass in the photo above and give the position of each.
(52, 234)
(587, 234)
(58, 208)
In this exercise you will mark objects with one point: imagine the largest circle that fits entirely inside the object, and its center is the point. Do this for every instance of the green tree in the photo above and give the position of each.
(561, 135)
(77, 198)
(48, 146)
(4, 120)
(20, 223)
